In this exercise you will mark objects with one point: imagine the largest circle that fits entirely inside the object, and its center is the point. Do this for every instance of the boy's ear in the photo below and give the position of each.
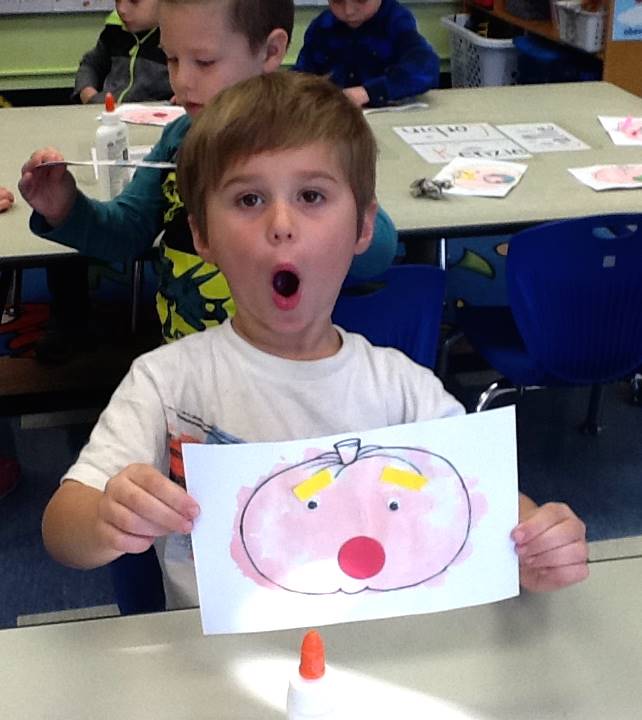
(274, 50)
(367, 228)
(200, 242)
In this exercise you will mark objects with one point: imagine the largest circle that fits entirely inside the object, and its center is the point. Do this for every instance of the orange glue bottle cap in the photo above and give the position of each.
(312, 666)
(311, 691)
(110, 103)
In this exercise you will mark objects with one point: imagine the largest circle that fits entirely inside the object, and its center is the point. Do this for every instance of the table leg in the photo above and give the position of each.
(6, 276)
(136, 293)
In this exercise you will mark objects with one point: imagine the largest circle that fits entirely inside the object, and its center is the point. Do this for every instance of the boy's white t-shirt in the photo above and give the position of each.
(214, 387)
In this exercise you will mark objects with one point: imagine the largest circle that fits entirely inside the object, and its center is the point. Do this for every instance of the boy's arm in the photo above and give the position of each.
(93, 69)
(312, 57)
(69, 527)
(550, 541)
(85, 528)
(121, 229)
(118, 230)
(415, 70)
(123, 499)
(6, 199)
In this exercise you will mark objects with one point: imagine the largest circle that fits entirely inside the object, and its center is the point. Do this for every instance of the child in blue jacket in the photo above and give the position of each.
(372, 49)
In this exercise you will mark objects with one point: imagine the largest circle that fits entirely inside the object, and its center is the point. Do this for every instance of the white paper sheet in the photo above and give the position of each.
(139, 114)
(623, 130)
(482, 178)
(542, 137)
(442, 143)
(610, 177)
(301, 534)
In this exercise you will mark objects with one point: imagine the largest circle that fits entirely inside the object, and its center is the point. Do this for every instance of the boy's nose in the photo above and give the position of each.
(181, 77)
(281, 228)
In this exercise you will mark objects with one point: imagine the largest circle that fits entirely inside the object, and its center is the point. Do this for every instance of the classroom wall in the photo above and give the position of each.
(42, 51)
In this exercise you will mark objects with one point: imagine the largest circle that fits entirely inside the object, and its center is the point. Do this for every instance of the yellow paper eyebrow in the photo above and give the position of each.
(312, 485)
(403, 478)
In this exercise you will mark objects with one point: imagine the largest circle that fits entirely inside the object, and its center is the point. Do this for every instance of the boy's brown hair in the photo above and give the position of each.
(275, 111)
(255, 19)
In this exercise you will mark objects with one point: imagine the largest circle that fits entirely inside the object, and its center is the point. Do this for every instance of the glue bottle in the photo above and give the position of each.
(111, 144)
(312, 691)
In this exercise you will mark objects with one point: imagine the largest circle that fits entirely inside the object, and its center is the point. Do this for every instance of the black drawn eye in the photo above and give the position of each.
(393, 505)
(312, 504)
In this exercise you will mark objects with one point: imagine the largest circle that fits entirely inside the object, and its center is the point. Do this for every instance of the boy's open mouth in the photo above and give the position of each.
(285, 283)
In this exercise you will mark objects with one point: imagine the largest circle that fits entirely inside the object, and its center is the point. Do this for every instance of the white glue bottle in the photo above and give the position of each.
(312, 691)
(111, 144)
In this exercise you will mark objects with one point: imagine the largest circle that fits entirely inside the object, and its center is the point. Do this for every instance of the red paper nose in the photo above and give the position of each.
(361, 557)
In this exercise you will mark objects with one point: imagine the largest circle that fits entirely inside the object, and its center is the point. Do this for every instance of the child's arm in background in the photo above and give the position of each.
(6, 199)
(415, 70)
(92, 71)
(550, 541)
(85, 528)
(119, 230)
(310, 59)
(50, 191)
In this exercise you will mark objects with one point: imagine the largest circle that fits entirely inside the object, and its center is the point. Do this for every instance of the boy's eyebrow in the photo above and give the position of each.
(306, 176)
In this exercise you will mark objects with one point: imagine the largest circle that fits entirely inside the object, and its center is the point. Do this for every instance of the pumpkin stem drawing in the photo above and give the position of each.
(348, 450)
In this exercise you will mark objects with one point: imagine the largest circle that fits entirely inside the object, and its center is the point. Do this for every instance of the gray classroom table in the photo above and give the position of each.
(574, 654)
(71, 129)
(546, 192)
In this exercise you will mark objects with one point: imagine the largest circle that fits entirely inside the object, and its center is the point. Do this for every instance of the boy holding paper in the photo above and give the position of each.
(281, 200)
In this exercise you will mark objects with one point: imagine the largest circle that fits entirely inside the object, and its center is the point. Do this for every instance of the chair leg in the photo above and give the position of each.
(6, 277)
(444, 353)
(137, 270)
(10, 294)
(636, 389)
(492, 392)
(591, 425)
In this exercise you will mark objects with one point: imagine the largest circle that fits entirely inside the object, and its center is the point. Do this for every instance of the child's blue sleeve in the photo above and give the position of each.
(119, 230)
(313, 56)
(415, 69)
(123, 228)
(383, 248)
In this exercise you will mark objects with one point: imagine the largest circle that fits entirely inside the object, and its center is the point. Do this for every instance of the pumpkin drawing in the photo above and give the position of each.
(357, 518)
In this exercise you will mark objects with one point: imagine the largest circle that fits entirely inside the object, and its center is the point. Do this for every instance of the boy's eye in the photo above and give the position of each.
(249, 200)
(312, 197)
(205, 63)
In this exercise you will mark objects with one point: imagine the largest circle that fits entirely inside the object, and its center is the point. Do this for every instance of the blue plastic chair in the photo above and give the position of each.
(575, 309)
(138, 583)
(401, 308)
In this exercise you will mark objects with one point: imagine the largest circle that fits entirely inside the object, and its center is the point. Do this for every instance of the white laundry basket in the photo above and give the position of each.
(580, 28)
(475, 60)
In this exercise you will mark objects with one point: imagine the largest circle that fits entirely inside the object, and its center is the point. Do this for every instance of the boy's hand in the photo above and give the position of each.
(140, 504)
(6, 199)
(550, 541)
(50, 191)
(358, 95)
(86, 94)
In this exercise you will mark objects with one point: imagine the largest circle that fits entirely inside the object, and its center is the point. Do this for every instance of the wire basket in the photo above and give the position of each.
(580, 28)
(477, 61)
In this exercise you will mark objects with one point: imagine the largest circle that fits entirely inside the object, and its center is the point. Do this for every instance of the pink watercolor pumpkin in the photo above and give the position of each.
(352, 519)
